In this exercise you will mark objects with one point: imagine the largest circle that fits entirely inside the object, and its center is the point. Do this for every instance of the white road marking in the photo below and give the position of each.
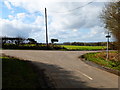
(86, 75)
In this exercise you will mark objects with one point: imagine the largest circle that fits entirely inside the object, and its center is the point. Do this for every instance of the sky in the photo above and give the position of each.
(68, 21)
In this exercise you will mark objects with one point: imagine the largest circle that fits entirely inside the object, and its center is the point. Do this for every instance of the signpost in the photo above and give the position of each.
(108, 36)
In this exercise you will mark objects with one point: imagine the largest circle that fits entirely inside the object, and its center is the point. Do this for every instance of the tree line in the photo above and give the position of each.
(17, 40)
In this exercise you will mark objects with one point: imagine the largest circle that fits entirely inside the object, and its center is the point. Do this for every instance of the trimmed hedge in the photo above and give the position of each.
(36, 47)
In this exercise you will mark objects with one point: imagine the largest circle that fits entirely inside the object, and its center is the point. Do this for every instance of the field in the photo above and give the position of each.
(72, 47)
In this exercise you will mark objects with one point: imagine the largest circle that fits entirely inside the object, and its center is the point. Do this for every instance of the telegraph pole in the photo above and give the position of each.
(46, 27)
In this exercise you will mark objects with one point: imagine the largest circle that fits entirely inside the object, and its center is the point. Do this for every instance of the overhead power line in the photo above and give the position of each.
(68, 11)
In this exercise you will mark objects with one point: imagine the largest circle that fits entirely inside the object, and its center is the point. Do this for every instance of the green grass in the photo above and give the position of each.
(99, 59)
(18, 74)
(72, 47)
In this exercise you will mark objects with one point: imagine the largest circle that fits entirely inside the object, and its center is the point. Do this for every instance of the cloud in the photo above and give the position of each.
(15, 28)
(10, 17)
(8, 4)
(78, 25)
(39, 21)
(20, 15)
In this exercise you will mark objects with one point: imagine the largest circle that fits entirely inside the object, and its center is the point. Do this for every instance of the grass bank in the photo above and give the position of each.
(20, 74)
(73, 47)
(100, 58)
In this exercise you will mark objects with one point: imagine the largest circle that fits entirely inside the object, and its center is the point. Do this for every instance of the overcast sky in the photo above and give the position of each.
(67, 21)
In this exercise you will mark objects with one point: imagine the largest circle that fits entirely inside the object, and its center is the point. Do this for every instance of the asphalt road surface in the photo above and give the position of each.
(66, 70)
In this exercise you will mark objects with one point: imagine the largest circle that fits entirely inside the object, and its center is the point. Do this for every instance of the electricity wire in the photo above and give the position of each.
(73, 9)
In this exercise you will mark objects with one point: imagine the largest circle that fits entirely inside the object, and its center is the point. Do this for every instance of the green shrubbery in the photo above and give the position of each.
(99, 59)
(32, 47)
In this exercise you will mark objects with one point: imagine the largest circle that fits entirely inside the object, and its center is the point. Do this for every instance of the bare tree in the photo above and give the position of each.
(111, 18)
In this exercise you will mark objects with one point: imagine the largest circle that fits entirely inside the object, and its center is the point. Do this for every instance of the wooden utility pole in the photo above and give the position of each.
(46, 27)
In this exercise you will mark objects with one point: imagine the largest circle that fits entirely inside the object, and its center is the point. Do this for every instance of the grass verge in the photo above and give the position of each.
(100, 58)
(19, 74)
